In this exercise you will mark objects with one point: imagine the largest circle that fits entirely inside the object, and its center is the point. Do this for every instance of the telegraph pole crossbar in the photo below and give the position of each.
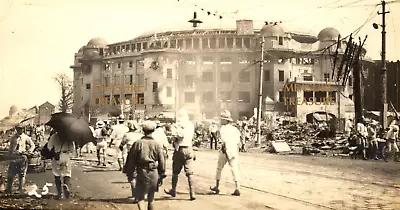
(384, 107)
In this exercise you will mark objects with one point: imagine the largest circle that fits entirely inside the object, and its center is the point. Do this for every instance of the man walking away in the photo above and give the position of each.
(362, 137)
(373, 141)
(117, 134)
(147, 159)
(20, 145)
(230, 138)
(61, 163)
(101, 135)
(129, 138)
(183, 157)
(391, 145)
(160, 137)
(213, 132)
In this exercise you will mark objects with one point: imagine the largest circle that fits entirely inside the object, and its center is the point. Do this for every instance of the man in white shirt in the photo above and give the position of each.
(61, 163)
(160, 136)
(101, 146)
(214, 139)
(183, 157)
(20, 145)
(362, 138)
(230, 139)
(391, 145)
(118, 132)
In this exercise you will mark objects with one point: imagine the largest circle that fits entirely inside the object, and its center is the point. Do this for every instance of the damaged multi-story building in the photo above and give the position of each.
(208, 70)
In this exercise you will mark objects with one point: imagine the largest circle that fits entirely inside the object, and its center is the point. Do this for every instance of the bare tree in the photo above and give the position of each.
(66, 100)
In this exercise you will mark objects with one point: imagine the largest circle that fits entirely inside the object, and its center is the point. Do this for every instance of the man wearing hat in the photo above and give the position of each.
(20, 144)
(183, 157)
(147, 159)
(101, 136)
(391, 146)
(118, 132)
(373, 140)
(230, 139)
(362, 135)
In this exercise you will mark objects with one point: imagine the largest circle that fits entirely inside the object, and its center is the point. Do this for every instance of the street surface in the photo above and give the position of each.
(269, 182)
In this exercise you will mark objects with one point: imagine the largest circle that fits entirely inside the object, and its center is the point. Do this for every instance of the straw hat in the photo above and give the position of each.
(100, 124)
(149, 125)
(133, 124)
(226, 115)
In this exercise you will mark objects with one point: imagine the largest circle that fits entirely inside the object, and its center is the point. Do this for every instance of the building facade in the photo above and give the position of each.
(44, 112)
(204, 71)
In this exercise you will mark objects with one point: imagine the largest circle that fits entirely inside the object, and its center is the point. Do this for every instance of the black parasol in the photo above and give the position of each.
(71, 128)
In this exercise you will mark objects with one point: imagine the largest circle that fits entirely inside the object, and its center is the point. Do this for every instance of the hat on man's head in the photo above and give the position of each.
(149, 125)
(226, 115)
(18, 126)
(133, 124)
(100, 124)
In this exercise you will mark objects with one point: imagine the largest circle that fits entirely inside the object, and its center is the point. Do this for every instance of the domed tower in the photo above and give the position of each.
(273, 34)
(13, 109)
(95, 47)
(92, 66)
(327, 37)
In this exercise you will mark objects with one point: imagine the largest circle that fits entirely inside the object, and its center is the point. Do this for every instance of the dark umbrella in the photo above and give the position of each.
(71, 128)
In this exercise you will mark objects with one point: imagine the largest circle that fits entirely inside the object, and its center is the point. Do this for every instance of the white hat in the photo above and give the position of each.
(226, 115)
(149, 125)
(100, 124)
(133, 124)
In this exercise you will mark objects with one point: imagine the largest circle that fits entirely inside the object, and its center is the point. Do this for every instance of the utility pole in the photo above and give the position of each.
(384, 107)
(260, 94)
(357, 87)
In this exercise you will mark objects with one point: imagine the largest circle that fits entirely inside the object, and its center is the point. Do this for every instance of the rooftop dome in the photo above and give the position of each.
(81, 49)
(97, 42)
(13, 109)
(272, 30)
(328, 34)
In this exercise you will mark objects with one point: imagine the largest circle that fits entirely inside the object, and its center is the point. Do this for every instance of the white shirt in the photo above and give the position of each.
(119, 131)
(130, 138)
(391, 134)
(160, 137)
(230, 137)
(213, 128)
(21, 142)
(361, 129)
(59, 145)
(185, 134)
(349, 125)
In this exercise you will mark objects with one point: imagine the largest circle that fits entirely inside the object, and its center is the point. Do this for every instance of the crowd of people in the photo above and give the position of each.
(371, 141)
(141, 150)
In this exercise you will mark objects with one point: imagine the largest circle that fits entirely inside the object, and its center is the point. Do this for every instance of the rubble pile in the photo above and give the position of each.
(310, 139)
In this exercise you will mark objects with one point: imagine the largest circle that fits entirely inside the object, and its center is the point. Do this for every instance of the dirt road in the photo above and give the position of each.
(269, 182)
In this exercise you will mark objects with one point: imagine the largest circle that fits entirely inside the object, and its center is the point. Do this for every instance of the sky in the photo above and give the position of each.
(38, 38)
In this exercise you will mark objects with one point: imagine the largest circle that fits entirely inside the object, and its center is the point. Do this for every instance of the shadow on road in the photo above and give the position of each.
(110, 200)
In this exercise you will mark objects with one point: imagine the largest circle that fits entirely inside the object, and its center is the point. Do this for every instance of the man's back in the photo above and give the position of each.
(146, 150)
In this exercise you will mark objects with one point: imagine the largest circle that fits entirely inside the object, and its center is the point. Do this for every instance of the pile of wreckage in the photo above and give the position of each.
(308, 139)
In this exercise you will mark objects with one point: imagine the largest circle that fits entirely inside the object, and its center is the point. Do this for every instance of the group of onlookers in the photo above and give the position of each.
(373, 142)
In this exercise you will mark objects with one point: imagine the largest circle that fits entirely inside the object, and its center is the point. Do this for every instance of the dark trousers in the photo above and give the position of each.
(214, 140)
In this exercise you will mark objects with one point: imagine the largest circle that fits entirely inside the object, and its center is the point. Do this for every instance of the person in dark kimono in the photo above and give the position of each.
(146, 157)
